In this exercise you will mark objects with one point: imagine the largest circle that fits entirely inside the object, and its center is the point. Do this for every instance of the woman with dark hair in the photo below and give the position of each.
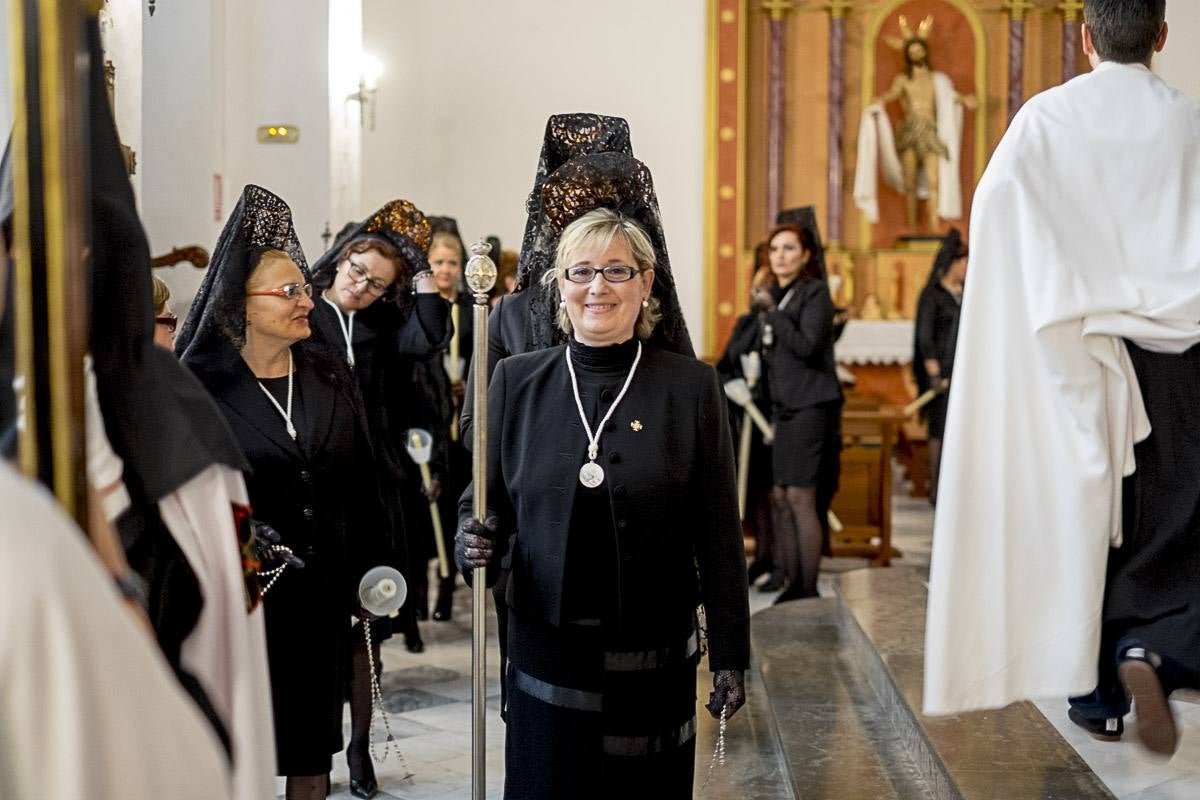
(610, 479)
(807, 400)
(294, 408)
(935, 338)
(365, 304)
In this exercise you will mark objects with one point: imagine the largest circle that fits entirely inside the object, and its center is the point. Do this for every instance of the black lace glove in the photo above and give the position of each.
(268, 550)
(729, 692)
(475, 543)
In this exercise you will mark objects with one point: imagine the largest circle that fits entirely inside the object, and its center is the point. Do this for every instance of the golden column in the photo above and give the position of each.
(1017, 9)
(1072, 12)
(778, 9)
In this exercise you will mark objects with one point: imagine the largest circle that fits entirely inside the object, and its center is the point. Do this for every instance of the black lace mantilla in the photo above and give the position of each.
(567, 136)
(623, 184)
(218, 313)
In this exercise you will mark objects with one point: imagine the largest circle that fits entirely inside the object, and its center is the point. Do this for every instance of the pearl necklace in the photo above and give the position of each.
(286, 414)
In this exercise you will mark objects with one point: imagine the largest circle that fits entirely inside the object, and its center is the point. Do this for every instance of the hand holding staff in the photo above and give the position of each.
(481, 276)
(739, 392)
(927, 397)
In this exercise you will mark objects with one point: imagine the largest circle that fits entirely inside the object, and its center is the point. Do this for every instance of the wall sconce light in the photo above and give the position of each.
(370, 70)
(278, 134)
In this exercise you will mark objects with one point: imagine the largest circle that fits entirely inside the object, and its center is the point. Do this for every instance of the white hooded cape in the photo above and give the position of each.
(1085, 230)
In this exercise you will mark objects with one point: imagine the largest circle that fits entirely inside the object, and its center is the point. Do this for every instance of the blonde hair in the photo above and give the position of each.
(447, 239)
(595, 231)
(162, 294)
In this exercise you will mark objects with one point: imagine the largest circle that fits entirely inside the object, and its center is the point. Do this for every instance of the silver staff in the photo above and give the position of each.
(481, 276)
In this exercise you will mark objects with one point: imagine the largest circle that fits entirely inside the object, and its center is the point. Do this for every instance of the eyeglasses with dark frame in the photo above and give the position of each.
(613, 273)
(168, 321)
(359, 275)
(289, 291)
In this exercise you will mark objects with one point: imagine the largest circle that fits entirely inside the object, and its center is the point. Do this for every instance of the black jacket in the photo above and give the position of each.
(668, 457)
(936, 332)
(799, 360)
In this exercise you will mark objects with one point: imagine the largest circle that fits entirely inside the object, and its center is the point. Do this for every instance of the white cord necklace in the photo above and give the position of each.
(347, 328)
(286, 414)
(591, 474)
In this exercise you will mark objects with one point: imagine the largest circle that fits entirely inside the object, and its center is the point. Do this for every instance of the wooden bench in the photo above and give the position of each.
(864, 499)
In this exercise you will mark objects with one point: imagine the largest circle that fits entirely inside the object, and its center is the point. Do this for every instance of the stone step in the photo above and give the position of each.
(837, 740)
(1013, 753)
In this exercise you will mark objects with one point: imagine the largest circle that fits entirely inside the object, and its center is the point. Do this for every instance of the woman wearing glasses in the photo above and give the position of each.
(293, 406)
(610, 479)
(366, 305)
(165, 320)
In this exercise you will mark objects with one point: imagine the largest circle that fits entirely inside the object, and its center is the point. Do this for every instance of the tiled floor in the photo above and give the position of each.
(428, 697)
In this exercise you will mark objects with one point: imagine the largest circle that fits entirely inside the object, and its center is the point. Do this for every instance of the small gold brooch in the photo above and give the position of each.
(636, 425)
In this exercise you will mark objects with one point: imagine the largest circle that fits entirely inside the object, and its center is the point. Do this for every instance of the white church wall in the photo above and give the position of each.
(182, 117)
(1179, 62)
(121, 38)
(467, 88)
(215, 70)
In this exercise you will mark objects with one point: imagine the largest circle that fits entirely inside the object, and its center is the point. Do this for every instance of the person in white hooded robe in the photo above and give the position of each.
(1085, 280)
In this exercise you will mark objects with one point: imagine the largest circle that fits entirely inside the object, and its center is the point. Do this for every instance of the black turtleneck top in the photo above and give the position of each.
(590, 585)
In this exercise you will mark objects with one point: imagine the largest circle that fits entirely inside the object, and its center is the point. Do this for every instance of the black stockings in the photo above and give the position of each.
(358, 753)
(798, 539)
(935, 464)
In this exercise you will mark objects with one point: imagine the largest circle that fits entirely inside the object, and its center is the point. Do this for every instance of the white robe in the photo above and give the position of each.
(1085, 230)
(88, 706)
(877, 150)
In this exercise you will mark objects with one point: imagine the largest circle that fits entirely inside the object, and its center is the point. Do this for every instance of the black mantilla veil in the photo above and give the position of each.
(805, 218)
(950, 251)
(260, 221)
(623, 184)
(567, 136)
(398, 223)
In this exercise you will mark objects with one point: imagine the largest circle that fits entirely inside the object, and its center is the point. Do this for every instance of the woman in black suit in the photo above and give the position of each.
(807, 401)
(610, 478)
(294, 408)
(935, 339)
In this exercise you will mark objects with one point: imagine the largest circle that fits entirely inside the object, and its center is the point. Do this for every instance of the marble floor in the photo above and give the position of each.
(427, 696)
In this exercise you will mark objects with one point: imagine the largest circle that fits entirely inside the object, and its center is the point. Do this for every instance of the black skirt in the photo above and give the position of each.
(588, 718)
(807, 445)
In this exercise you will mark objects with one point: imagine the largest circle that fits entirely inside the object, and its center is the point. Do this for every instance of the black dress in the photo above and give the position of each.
(319, 492)
(936, 337)
(602, 641)
(805, 393)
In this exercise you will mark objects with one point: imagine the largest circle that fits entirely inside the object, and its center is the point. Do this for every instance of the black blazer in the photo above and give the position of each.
(936, 332)
(320, 494)
(799, 362)
(671, 485)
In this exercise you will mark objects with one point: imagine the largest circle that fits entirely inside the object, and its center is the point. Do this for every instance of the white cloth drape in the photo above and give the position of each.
(1085, 231)
(89, 706)
(227, 651)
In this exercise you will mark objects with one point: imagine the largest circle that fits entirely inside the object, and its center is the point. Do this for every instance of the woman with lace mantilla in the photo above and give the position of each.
(610, 478)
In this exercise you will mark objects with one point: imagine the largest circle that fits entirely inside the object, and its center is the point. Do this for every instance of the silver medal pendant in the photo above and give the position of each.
(591, 475)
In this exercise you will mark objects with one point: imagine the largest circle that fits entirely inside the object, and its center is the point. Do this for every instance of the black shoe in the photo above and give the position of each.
(759, 568)
(413, 643)
(794, 592)
(773, 583)
(364, 785)
(1102, 730)
(364, 789)
(1155, 723)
